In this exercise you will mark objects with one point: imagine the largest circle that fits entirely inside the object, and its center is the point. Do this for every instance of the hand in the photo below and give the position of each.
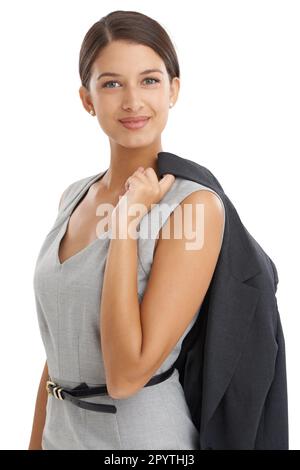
(142, 190)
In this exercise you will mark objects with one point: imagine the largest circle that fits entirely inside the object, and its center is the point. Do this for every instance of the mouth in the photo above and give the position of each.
(135, 124)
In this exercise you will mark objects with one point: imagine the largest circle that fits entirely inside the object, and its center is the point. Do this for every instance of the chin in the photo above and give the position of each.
(135, 141)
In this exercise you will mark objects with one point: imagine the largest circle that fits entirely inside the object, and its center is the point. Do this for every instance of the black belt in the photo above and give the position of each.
(83, 390)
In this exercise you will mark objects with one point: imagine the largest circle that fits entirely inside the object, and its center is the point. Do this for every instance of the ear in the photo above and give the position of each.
(174, 89)
(85, 98)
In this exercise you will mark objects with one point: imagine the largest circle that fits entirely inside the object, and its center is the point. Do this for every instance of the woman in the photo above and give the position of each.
(113, 306)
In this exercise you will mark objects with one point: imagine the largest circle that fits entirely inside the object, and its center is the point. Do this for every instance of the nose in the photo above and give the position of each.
(131, 99)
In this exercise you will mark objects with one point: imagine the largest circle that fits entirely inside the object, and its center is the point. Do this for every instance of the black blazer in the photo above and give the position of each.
(232, 364)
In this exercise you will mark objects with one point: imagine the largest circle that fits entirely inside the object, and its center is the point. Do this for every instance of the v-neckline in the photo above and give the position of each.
(78, 199)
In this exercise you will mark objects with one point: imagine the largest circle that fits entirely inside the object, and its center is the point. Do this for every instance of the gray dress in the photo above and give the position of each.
(67, 297)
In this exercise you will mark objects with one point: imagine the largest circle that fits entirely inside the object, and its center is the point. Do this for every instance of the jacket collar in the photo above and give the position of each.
(232, 301)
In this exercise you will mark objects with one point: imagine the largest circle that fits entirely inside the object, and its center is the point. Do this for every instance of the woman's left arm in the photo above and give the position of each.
(120, 321)
(136, 338)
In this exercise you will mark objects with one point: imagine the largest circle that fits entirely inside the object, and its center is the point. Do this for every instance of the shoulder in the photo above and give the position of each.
(208, 199)
(202, 214)
(190, 242)
(72, 189)
(185, 191)
(197, 208)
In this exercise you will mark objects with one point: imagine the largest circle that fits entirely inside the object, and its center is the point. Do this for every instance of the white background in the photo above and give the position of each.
(237, 114)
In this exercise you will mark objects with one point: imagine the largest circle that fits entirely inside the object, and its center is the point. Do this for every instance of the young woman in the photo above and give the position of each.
(114, 309)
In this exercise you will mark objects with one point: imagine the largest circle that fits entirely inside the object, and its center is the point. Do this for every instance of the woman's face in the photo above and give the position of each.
(130, 92)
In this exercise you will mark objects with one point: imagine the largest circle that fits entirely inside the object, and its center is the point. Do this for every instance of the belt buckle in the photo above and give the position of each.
(55, 390)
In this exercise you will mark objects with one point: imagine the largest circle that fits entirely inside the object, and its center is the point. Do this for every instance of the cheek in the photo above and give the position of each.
(106, 102)
(159, 102)
(107, 112)
(161, 121)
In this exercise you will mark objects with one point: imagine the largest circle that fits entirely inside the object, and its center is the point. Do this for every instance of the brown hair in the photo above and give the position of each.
(130, 26)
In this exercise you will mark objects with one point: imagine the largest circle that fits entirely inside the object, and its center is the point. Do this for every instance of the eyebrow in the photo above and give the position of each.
(113, 74)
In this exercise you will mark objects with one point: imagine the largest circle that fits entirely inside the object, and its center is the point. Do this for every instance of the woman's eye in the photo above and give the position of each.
(155, 79)
(107, 83)
(114, 81)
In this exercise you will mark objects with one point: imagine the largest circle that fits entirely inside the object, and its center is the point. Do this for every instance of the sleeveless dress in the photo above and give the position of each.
(67, 297)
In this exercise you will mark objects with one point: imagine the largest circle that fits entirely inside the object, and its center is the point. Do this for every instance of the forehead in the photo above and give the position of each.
(123, 58)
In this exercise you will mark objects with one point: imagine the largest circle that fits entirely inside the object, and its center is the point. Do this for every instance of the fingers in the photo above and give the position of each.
(137, 173)
(152, 175)
(142, 174)
(166, 182)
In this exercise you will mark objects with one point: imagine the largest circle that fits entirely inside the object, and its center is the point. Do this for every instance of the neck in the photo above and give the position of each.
(125, 161)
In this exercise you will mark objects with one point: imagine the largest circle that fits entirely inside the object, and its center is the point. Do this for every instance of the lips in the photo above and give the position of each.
(135, 119)
(138, 123)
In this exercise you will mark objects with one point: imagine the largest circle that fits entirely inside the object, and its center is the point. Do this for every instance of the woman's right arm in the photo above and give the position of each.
(41, 401)
(40, 413)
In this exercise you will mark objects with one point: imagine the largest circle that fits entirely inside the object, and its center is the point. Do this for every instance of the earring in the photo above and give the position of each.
(171, 104)
(92, 112)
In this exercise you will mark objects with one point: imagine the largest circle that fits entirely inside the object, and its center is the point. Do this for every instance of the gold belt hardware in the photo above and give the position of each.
(55, 390)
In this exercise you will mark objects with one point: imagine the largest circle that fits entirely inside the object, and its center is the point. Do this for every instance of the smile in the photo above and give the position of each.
(135, 124)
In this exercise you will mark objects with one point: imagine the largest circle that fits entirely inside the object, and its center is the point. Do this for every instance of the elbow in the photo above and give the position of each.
(118, 395)
(125, 389)
(119, 388)
(118, 392)
(122, 381)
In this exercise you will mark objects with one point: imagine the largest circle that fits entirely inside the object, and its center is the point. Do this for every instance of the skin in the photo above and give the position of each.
(132, 95)
(137, 337)
(129, 95)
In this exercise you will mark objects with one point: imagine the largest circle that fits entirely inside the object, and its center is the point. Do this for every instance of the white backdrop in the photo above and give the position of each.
(237, 114)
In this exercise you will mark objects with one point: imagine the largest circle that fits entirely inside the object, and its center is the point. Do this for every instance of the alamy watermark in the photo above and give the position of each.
(145, 224)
